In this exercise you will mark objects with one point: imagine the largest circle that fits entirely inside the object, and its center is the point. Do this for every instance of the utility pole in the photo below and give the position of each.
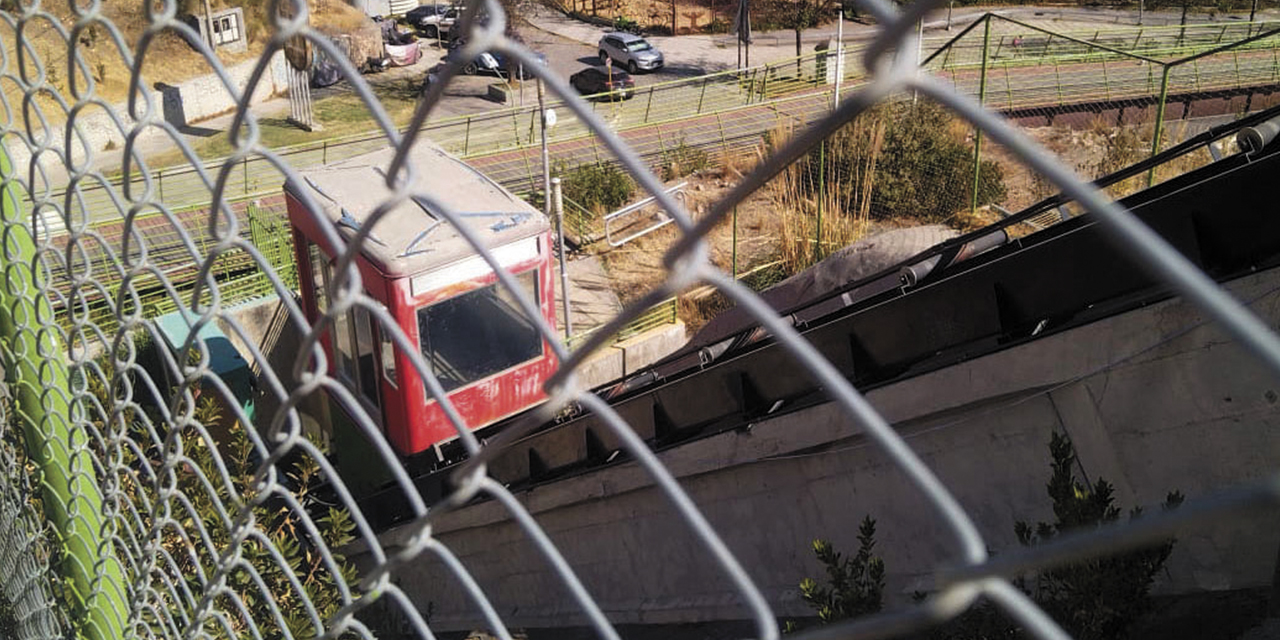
(208, 25)
(564, 272)
(546, 158)
(835, 98)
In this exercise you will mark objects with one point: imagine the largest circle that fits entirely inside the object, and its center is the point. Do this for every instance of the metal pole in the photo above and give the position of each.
(835, 98)
(950, 4)
(564, 272)
(1253, 10)
(919, 54)
(546, 157)
(208, 25)
(1155, 142)
(55, 443)
(982, 95)
(1141, 6)
(735, 243)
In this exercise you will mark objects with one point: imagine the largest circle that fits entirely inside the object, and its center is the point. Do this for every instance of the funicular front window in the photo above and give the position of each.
(479, 333)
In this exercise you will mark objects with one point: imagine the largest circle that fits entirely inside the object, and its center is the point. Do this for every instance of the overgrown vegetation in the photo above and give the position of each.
(597, 186)
(901, 160)
(1097, 599)
(287, 554)
(682, 160)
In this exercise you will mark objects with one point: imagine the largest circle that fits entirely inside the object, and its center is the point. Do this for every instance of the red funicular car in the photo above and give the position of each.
(487, 354)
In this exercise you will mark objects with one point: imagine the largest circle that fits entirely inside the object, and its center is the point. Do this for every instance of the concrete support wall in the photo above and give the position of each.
(196, 99)
(1154, 401)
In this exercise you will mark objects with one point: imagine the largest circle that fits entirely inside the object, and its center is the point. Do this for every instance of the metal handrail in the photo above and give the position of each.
(664, 219)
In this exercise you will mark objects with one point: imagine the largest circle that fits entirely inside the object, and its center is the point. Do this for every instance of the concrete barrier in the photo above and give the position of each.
(1154, 400)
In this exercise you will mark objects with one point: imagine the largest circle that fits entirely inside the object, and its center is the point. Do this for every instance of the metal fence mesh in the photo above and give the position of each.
(189, 521)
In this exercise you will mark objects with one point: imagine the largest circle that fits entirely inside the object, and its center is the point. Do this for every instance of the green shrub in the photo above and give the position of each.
(718, 25)
(682, 160)
(622, 23)
(1096, 599)
(1100, 598)
(597, 186)
(854, 587)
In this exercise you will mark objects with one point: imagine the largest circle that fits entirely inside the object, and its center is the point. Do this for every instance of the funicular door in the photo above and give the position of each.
(351, 341)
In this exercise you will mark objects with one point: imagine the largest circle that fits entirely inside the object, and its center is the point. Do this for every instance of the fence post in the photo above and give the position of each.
(466, 138)
(701, 95)
(724, 142)
(648, 105)
(982, 95)
(55, 440)
(1155, 141)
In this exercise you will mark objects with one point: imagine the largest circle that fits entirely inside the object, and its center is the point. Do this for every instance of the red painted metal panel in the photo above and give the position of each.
(413, 422)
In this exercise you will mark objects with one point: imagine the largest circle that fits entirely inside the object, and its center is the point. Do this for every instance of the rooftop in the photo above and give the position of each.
(412, 238)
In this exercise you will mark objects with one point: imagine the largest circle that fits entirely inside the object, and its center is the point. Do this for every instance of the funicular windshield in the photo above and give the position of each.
(479, 333)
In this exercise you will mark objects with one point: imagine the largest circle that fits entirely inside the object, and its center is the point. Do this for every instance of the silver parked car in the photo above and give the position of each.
(631, 51)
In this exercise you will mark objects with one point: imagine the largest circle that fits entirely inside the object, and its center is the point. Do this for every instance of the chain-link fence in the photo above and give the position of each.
(142, 497)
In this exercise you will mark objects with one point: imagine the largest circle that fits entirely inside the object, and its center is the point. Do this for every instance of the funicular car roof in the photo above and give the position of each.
(354, 188)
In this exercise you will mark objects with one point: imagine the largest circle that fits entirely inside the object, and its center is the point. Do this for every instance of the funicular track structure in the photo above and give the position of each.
(999, 291)
(102, 541)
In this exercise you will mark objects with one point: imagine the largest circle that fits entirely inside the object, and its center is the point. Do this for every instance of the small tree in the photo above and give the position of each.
(1099, 598)
(855, 586)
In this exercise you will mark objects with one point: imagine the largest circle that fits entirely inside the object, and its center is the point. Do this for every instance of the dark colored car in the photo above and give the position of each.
(618, 84)
(491, 63)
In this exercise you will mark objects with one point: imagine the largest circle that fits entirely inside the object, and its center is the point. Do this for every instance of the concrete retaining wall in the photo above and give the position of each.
(206, 96)
(633, 354)
(186, 103)
(1153, 400)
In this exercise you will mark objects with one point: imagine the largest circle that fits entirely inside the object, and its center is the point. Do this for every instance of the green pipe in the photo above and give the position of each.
(1155, 142)
(735, 242)
(822, 194)
(977, 136)
(38, 378)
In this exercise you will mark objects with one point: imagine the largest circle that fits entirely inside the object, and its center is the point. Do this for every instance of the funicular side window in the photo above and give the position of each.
(354, 335)
(479, 333)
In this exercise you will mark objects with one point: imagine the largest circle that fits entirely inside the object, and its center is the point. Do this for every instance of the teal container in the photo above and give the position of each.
(224, 360)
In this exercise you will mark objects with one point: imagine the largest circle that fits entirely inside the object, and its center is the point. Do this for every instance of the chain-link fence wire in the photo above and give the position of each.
(1029, 67)
(150, 509)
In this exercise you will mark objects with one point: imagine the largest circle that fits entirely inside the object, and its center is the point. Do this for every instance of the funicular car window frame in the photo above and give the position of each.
(530, 279)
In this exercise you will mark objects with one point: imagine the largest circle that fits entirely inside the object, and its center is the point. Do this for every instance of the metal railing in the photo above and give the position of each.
(183, 516)
(1050, 75)
(636, 208)
(661, 314)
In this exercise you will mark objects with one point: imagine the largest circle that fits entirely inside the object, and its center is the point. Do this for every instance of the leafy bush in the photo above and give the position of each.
(622, 23)
(597, 186)
(855, 586)
(1103, 597)
(901, 160)
(1097, 599)
(718, 25)
(682, 160)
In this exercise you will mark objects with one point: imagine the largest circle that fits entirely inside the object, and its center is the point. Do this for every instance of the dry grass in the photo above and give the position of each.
(167, 59)
(801, 242)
